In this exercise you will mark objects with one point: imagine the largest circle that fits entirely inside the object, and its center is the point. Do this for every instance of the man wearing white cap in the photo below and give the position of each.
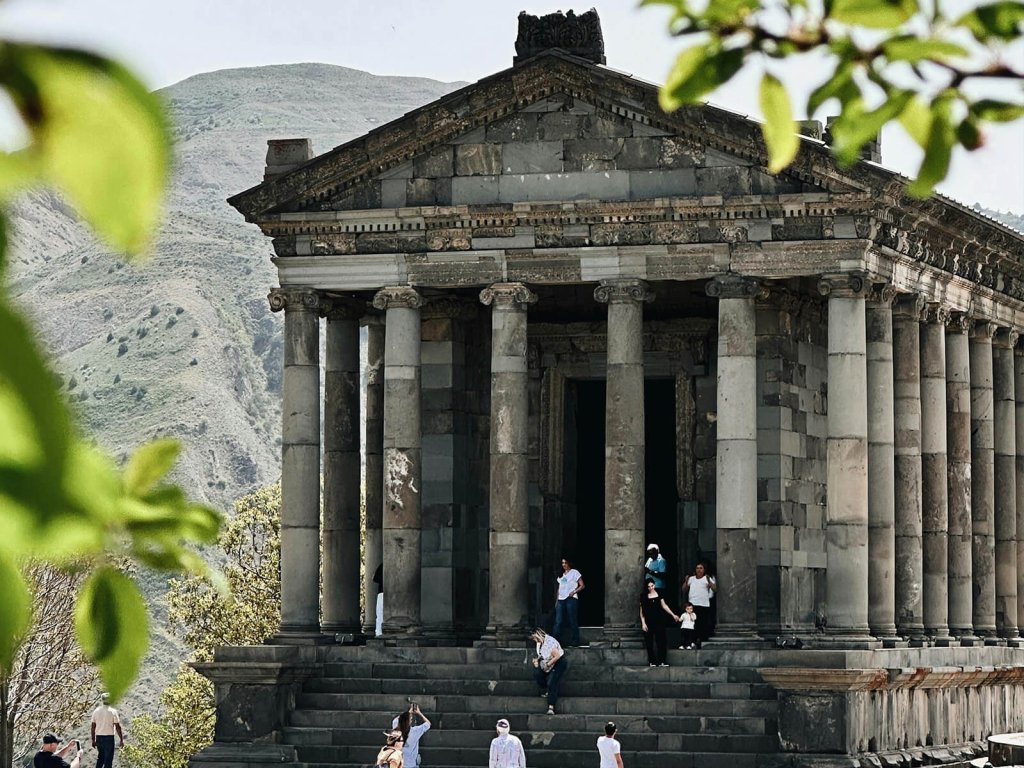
(506, 749)
(655, 566)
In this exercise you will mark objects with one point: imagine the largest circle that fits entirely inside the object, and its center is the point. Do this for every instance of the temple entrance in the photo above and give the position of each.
(661, 491)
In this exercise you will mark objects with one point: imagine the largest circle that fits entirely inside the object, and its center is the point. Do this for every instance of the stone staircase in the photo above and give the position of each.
(688, 715)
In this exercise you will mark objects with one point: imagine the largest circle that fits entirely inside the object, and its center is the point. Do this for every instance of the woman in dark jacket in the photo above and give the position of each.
(654, 615)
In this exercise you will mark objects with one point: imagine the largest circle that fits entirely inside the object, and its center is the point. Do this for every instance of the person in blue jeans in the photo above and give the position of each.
(550, 666)
(570, 584)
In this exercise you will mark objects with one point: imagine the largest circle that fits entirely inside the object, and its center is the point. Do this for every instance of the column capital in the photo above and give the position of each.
(984, 330)
(342, 309)
(508, 296)
(451, 307)
(911, 306)
(1005, 338)
(622, 291)
(960, 322)
(844, 285)
(295, 300)
(936, 312)
(397, 297)
(734, 286)
(882, 293)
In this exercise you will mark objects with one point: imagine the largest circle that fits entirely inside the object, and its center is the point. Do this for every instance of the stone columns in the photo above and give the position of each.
(300, 462)
(881, 470)
(341, 470)
(402, 459)
(508, 616)
(624, 510)
(736, 460)
(847, 511)
(983, 499)
(934, 507)
(373, 480)
(1018, 394)
(1005, 434)
(958, 449)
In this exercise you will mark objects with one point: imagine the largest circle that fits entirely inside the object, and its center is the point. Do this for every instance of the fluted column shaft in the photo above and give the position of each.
(300, 461)
(1005, 442)
(847, 476)
(983, 500)
(882, 477)
(624, 473)
(402, 459)
(736, 460)
(1018, 394)
(958, 449)
(934, 507)
(509, 510)
(373, 480)
(341, 469)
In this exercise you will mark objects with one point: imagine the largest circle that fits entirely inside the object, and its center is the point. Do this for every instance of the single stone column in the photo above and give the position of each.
(402, 459)
(1005, 434)
(341, 470)
(847, 475)
(934, 507)
(1018, 394)
(300, 463)
(882, 486)
(958, 450)
(983, 499)
(736, 460)
(373, 479)
(907, 465)
(509, 509)
(624, 510)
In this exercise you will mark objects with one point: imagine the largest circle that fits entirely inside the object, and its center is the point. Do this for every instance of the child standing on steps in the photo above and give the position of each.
(687, 626)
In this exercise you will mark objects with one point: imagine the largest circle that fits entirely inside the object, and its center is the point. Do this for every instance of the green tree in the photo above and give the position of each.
(206, 617)
(101, 138)
(882, 60)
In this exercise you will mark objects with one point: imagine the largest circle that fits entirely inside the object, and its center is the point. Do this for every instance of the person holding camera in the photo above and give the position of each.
(105, 723)
(51, 754)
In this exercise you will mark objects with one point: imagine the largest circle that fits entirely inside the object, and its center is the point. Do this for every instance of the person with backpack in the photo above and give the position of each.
(390, 755)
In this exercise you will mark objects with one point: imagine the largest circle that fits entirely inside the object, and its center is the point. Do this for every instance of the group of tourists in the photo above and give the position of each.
(104, 725)
(695, 621)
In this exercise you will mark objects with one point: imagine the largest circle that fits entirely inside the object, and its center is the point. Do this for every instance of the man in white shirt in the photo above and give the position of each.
(570, 584)
(506, 749)
(105, 723)
(608, 747)
(550, 666)
(700, 590)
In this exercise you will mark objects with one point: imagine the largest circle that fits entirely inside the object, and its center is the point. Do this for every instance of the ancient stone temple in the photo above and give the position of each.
(589, 325)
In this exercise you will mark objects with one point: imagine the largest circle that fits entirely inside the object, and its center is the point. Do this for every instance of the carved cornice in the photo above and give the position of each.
(845, 285)
(397, 297)
(734, 287)
(960, 322)
(622, 291)
(936, 312)
(295, 300)
(508, 296)
(1006, 338)
(448, 307)
(984, 330)
(342, 309)
(911, 306)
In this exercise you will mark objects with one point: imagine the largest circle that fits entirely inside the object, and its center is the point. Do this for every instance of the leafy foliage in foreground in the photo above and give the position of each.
(884, 60)
(98, 135)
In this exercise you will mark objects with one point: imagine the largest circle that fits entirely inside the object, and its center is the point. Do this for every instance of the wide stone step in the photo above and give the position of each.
(462, 655)
(588, 758)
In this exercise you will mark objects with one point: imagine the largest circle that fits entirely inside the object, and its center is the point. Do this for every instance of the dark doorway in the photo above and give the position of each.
(661, 491)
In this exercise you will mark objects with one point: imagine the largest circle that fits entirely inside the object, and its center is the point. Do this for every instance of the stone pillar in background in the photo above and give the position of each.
(736, 461)
(983, 499)
(1005, 441)
(934, 507)
(847, 512)
(882, 486)
(509, 508)
(907, 467)
(624, 510)
(341, 469)
(373, 480)
(958, 450)
(1018, 395)
(300, 463)
(402, 459)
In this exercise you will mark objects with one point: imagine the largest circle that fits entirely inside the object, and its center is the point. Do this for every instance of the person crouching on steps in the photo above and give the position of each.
(390, 755)
(550, 666)
(653, 610)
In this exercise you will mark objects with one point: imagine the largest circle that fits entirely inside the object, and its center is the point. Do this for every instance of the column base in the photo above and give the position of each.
(736, 642)
(846, 638)
(439, 636)
(620, 637)
(894, 642)
(968, 640)
(503, 637)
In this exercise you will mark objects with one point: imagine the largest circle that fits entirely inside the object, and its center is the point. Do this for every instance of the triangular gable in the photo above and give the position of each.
(703, 144)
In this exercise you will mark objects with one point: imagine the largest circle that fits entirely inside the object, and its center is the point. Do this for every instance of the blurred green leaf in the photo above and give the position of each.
(916, 49)
(149, 464)
(17, 171)
(938, 149)
(874, 14)
(916, 120)
(779, 128)
(113, 627)
(98, 134)
(840, 86)
(15, 612)
(855, 127)
(698, 71)
(729, 13)
(1001, 21)
(968, 133)
(995, 111)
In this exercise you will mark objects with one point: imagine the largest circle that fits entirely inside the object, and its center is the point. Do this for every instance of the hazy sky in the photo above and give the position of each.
(441, 39)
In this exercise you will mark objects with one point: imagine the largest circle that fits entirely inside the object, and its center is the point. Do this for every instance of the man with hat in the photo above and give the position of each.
(655, 566)
(51, 754)
(506, 749)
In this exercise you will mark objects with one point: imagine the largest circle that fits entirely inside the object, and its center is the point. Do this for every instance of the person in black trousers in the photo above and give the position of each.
(653, 620)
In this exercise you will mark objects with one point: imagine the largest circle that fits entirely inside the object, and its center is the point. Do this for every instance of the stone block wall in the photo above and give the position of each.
(792, 432)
